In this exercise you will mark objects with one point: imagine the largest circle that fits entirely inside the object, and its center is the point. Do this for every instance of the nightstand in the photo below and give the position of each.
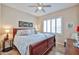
(1, 42)
(7, 45)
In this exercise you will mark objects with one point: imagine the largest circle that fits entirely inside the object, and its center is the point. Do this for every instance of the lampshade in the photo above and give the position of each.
(7, 30)
(77, 29)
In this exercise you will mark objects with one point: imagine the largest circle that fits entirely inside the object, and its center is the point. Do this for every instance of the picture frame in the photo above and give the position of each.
(25, 24)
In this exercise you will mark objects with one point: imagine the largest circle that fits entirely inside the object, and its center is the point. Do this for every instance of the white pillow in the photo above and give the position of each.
(24, 32)
(18, 32)
(33, 31)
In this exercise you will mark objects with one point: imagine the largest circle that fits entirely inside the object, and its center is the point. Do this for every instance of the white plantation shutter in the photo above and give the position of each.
(58, 23)
(53, 25)
(48, 25)
(44, 26)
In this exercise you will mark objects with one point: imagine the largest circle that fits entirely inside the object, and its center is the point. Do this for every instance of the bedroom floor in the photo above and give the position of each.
(58, 50)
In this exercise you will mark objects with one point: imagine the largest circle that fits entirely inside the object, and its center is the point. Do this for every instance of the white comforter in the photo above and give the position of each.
(22, 42)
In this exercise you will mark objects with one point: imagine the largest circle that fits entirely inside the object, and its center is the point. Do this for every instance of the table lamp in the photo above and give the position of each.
(7, 31)
(7, 43)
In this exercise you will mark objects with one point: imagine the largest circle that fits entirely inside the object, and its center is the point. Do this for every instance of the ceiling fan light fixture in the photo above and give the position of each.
(39, 8)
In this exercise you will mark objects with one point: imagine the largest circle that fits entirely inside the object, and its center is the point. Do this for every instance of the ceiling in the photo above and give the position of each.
(31, 10)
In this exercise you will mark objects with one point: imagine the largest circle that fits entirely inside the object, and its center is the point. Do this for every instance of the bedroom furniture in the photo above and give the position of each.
(1, 40)
(70, 49)
(7, 44)
(40, 48)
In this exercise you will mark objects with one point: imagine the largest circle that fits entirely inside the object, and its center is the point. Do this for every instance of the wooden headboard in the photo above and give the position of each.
(15, 31)
(24, 25)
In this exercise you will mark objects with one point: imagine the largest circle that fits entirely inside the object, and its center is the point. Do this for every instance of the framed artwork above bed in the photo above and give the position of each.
(25, 24)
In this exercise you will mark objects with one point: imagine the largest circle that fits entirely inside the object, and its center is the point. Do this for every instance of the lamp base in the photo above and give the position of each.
(7, 49)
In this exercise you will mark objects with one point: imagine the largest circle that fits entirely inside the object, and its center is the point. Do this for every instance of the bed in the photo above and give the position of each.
(34, 43)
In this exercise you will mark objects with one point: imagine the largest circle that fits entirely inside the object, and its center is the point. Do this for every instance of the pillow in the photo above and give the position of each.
(25, 32)
(34, 31)
(18, 32)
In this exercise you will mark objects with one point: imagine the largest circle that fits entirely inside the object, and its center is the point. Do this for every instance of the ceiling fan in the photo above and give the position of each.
(40, 7)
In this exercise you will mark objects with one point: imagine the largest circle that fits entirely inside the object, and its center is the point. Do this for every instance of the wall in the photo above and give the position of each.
(0, 18)
(0, 14)
(0, 26)
(12, 16)
(69, 15)
(78, 14)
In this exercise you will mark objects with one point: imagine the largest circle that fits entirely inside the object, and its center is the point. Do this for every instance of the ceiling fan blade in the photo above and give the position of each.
(43, 10)
(36, 10)
(33, 6)
(39, 4)
(46, 6)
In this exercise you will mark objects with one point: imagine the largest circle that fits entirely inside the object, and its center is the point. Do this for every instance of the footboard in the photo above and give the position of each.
(43, 47)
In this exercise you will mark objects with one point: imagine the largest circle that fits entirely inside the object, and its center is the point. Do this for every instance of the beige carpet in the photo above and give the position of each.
(58, 50)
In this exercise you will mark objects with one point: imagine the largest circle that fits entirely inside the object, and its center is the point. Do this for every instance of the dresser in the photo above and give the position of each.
(70, 49)
(5, 45)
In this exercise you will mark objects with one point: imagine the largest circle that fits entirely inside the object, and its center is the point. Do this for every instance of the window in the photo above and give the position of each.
(44, 26)
(52, 25)
(58, 23)
(48, 25)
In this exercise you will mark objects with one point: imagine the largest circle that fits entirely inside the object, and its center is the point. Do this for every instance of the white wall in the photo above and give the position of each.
(0, 15)
(12, 16)
(78, 14)
(0, 18)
